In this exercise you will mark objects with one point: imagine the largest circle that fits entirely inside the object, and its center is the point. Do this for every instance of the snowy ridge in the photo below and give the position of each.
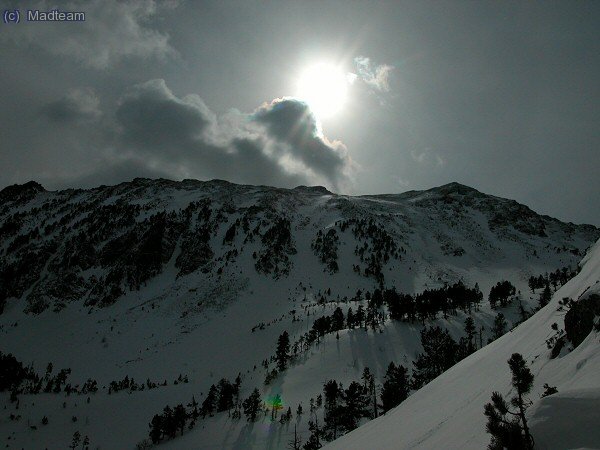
(448, 412)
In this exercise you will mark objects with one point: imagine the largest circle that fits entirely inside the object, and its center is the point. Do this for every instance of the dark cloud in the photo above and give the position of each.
(76, 106)
(113, 30)
(153, 119)
(183, 138)
(291, 123)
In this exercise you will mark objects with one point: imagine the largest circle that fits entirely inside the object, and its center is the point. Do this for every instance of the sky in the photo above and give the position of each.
(500, 96)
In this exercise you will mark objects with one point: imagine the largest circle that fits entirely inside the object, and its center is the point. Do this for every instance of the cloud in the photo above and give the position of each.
(375, 76)
(153, 119)
(291, 123)
(78, 105)
(427, 156)
(155, 131)
(113, 30)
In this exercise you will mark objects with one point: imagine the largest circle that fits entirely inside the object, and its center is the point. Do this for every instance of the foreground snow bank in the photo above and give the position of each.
(448, 412)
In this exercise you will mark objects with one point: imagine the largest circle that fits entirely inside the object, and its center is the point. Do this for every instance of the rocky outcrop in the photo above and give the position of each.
(579, 320)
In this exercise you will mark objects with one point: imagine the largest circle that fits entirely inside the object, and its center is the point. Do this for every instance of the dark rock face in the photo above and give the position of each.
(579, 320)
(20, 192)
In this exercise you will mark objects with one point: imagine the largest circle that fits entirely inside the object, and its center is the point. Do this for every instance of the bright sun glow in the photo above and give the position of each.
(324, 87)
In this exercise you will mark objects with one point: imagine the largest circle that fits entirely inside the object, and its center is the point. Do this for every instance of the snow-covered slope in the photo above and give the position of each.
(153, 278)
(448, 412)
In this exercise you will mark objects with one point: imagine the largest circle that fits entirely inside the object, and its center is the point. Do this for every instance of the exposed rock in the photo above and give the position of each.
(579, 320)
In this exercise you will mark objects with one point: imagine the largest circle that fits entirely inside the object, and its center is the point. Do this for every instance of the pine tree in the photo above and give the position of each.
(366, 377)
(209, 403)
(522, 311)
(236, 388)
(369, 386)
(156, 429)
(355, 406)
(252, 405)
(396, 387)
(507, 432)
(499, 328)
(440, 353)
(350, 319)
(179, 417)
(296, 441)
(502, 293)
(333, 397)
(169, 426)
(283, 349)
(194, 405)
(276, 405)
(545, 296)
(470, 330)
(314, 440)
(337, 319)
(287, 416)
(359, 317)
(76, 439)
(226, 395)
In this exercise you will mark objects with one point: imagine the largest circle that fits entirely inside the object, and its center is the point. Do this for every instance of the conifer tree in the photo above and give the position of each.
(180, 417)
(337, 319)
(369, 387)
(76, 439)
(350, 318)
(470, 331)
(276, 405)
(252, 405)
(209, 403)
(545, 296)
(499, 328)
(359, 317)
(314, 440)
(333, 397)
(156, 429)
(440, 353)
(355, 406)
(508, 428)
(194, 405)
(283, 349)
(169, 426)
(396, 387)
(296, 441)
(226, 395)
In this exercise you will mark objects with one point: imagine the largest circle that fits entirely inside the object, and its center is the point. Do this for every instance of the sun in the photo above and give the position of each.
(324, 87)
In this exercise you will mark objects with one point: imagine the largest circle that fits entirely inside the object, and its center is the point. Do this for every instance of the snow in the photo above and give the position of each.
(448, 412)
(214, 340)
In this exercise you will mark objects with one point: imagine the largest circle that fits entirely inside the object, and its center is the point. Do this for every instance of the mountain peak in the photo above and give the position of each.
(313, 189)
(455, 187)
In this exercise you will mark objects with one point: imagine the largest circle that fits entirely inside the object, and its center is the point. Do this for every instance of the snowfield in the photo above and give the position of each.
(448, 412)
(146, 280)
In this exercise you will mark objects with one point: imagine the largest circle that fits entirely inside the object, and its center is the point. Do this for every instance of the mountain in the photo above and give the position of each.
(448, 412)
(153, 279)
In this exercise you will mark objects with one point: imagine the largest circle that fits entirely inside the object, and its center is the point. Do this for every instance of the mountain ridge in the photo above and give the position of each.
(175, 202)
(151, 279)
